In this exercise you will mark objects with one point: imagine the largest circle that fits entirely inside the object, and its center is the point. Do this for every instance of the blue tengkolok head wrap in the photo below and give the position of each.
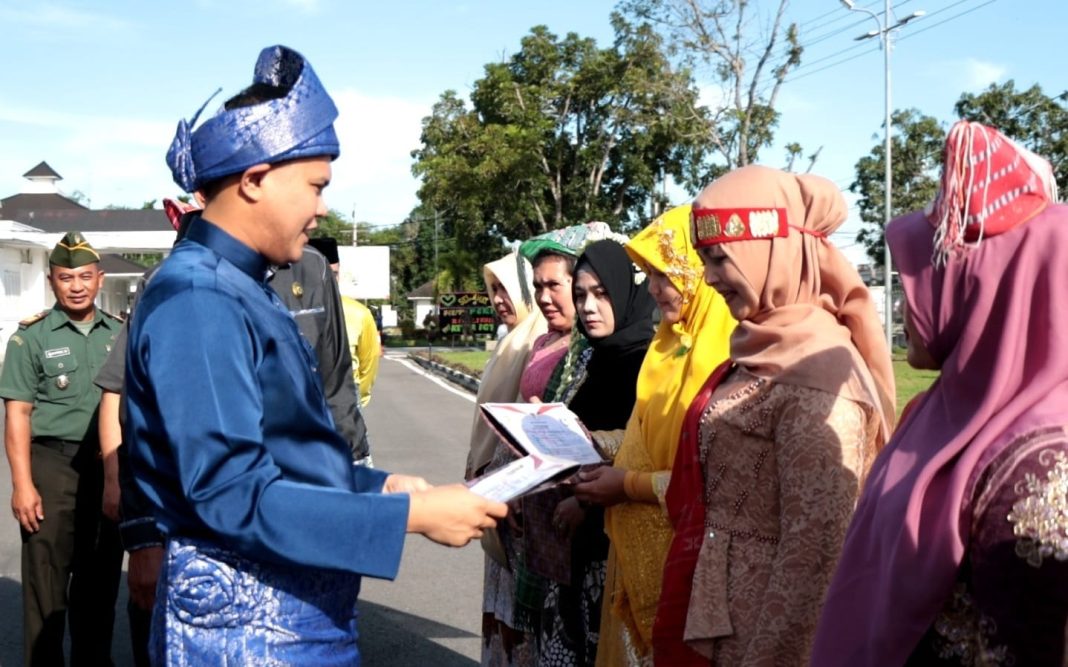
(300, 124)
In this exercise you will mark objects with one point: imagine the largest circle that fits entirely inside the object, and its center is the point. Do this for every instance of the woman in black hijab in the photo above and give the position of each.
(614, 315)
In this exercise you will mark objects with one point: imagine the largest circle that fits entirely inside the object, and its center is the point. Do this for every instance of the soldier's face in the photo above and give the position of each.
(76, 289)
(294, 196)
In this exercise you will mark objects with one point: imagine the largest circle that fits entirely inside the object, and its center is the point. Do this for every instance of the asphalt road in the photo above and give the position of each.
(431, 614)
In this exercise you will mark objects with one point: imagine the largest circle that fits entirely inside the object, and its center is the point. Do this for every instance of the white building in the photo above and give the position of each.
(32, 221)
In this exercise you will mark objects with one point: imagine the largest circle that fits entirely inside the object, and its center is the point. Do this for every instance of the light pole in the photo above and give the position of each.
(884, 33)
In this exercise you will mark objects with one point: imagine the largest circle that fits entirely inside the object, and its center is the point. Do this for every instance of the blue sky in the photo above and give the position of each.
(96, 88)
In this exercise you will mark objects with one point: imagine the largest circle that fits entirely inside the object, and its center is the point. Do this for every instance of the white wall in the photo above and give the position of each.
(389, 316)
(364, 271)
(24, 289)
(422, 308)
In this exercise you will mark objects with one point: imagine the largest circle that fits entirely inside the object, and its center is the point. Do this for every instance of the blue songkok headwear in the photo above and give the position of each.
(300, 124)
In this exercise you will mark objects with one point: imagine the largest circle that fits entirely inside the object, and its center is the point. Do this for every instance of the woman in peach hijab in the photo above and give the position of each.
(777, 446)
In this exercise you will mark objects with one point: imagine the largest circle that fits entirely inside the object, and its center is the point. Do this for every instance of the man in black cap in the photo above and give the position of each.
(56, 475)
(309, 290)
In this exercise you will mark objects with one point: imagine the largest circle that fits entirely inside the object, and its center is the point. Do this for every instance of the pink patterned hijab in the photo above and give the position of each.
(994, 317)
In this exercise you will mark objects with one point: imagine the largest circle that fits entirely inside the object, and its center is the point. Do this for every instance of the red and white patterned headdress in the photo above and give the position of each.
(990, 184)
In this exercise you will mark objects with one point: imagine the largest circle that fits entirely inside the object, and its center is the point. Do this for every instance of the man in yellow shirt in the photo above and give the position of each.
(365, 345)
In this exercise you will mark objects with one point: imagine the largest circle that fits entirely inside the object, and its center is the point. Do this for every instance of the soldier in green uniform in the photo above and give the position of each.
(56, 473)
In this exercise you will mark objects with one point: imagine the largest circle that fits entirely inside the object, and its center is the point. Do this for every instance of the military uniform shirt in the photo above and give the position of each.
(52, 365)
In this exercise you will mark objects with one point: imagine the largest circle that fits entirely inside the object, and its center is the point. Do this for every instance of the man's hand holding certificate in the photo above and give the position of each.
(550, 440)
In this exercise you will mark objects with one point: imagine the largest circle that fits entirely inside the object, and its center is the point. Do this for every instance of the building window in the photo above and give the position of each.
(10, 286)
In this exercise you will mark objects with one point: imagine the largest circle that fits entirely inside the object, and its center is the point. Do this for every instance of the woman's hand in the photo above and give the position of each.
(603, 486)
(568, 516)
(405, 484)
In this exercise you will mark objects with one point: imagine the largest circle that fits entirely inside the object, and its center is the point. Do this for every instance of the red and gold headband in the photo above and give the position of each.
(710, 226)
(726, 225)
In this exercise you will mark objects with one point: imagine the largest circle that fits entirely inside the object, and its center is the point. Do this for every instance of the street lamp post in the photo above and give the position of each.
(884, 33)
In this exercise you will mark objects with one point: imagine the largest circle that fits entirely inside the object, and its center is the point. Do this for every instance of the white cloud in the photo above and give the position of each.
(968, 74)
(377, 137)
(84, 132)
(789, 101)
(120, 160)
(53, 17)
(711, 96)
(308, 6)
(115, 160)
(981, 74)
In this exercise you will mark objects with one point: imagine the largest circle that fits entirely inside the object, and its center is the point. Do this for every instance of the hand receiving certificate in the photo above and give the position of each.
(550, 440)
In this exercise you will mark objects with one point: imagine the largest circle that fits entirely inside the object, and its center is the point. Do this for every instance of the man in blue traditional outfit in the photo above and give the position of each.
(269, 525)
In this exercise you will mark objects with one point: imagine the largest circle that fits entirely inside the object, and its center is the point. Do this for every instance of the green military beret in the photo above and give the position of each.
(73, 251)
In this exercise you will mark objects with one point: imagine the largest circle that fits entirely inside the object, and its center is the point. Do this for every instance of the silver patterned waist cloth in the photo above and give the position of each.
(215, 607)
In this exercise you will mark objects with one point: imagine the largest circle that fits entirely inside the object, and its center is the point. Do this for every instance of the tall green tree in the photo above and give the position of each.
(561, 132)
(1036, 120)
(334, 225)
(748, 57)
(916, 155)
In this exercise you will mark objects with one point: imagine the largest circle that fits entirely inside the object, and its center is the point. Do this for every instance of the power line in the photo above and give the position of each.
(951, 18)
(834, 64)
(843, 14)
(863, 20)
(858, 45)
(802, 74)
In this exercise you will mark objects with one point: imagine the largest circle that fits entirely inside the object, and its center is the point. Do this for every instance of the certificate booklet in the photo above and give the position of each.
(549, 439)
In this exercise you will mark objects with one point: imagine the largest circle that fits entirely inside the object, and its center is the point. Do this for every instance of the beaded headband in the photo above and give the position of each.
(711, 226)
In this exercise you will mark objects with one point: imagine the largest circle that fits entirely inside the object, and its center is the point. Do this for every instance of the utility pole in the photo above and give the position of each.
(435, 279)
(885, 35)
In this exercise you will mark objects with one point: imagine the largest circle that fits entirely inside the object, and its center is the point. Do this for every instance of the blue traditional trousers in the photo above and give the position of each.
(214, 607)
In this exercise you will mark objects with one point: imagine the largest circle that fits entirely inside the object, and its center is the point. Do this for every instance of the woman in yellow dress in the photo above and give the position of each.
(691, 341)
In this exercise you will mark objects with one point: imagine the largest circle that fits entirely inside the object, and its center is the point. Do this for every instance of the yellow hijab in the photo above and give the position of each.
(679, 360)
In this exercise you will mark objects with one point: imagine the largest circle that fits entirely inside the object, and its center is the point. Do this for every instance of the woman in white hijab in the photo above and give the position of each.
(508, 284)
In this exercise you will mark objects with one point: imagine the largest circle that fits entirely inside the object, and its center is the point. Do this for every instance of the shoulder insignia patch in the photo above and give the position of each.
(33, 319)
(16, 339)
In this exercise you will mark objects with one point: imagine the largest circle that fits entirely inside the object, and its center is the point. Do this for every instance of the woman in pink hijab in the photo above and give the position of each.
(957, 552)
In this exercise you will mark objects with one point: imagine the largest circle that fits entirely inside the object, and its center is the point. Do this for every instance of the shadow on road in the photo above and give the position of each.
(391, 637)
(11, 626)
(11, 630)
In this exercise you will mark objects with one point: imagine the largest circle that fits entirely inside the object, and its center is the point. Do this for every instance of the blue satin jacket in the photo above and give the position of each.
(230, 436)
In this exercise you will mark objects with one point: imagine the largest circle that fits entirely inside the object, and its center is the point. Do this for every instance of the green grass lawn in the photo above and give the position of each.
(909, 381)
(470, 361)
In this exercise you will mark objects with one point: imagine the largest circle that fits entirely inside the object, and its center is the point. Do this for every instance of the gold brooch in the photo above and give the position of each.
(298, 289)
(735, 226)
(707, 226)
